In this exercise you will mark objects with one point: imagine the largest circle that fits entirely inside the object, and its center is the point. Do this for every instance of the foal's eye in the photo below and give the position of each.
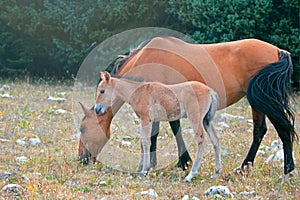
(102, 91)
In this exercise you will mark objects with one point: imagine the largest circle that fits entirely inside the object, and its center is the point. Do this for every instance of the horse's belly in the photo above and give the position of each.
(160, 113)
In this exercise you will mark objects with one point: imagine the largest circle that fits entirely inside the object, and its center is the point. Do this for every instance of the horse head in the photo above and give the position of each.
(94, 134)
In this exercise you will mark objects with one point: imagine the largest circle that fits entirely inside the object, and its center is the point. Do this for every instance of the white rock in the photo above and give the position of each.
(264, 148)
(12, 187)
(235, 117)
(102, 183)
(221, 125)
(21, 159)
(275, 146)
(34, 141)
(261, 152)
(6, 95)
(59, 99)
(126, 143)
(4, 140)
(25, 178)
(21, 142)
(185, 197)
(59, 111)
(279, 155)
(195, 198)
(219, 190)
(4, 87)
(150, 193)
(248, 193)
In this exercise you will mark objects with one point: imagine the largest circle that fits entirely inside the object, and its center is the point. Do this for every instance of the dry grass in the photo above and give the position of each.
(51, 171)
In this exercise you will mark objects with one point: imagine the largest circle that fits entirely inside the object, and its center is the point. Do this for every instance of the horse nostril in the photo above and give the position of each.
(85, 158)
(99, 109)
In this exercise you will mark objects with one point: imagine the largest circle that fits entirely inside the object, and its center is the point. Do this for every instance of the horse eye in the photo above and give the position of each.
(102, 91)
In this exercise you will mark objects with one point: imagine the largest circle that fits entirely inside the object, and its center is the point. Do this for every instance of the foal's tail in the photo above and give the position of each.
(269, 92)
(212, 109)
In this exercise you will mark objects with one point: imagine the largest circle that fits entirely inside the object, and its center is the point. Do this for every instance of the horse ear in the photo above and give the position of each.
(105, 76)
(85, 109)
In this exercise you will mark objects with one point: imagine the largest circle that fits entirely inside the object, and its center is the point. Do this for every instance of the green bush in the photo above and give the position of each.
(45, 37)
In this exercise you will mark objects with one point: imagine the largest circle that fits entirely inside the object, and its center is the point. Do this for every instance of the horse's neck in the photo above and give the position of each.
(124, 89)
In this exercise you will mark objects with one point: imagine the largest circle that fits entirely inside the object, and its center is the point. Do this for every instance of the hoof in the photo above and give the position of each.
(142, 174)
(286, 177)
(184, 161)
(188, 179)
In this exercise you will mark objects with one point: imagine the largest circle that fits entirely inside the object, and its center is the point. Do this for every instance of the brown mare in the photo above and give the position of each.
(233, 69)
(154, 101)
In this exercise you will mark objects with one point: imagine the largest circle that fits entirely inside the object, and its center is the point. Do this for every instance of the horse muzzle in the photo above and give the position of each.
(99, 109)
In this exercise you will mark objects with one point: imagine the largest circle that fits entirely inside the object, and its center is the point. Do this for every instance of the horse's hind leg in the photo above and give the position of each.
(214, 138)
(154, 134)
(199, 136)
(286, 139)
(259, 130)
(183, 155)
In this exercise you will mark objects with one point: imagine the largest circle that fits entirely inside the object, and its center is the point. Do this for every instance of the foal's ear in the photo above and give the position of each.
(85, 109)
(105, 76)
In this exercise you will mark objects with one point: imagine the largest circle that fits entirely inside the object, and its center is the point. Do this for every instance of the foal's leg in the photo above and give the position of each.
(199, 136)
(153, 160)
(214, 138)
(259, 130)
(183, 155)
(146, 142)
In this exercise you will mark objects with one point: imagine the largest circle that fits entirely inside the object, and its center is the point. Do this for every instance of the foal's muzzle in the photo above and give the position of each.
(99, 109)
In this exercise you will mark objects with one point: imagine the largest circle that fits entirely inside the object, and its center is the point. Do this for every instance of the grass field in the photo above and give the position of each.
(49, 170)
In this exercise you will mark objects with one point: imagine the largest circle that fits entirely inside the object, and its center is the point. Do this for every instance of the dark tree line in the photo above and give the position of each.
(51, 38)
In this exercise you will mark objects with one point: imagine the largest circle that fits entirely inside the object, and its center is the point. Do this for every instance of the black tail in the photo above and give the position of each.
(212, 109)
(269, 92)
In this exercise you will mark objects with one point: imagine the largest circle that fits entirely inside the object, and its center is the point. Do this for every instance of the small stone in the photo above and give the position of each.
(126, 143)
(59, 99)
(245, 193)
(12, 187)
(151, 193)
(59, 111)
(21, 141)
(25, 178)
(21, 159)
(34, 141)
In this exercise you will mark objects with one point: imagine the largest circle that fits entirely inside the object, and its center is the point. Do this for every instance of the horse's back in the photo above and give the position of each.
(226, 67)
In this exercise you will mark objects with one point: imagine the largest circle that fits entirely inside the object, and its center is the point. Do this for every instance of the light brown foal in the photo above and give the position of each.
(154, 101)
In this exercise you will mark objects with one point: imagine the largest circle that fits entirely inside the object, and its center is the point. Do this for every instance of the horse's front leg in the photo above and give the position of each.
(146, 143)
(153, 159)
(183, 155)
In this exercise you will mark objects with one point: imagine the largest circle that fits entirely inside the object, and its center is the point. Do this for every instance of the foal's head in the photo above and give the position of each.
(95, 132)
(104, 94)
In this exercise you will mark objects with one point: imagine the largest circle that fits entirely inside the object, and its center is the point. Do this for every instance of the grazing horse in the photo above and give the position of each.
(249, 67)
(154, 101)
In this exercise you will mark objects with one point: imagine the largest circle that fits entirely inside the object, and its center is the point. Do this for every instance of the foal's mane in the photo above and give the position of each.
(130, 78)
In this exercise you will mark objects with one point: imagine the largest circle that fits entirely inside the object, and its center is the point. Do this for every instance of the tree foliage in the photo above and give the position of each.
(47, 37)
